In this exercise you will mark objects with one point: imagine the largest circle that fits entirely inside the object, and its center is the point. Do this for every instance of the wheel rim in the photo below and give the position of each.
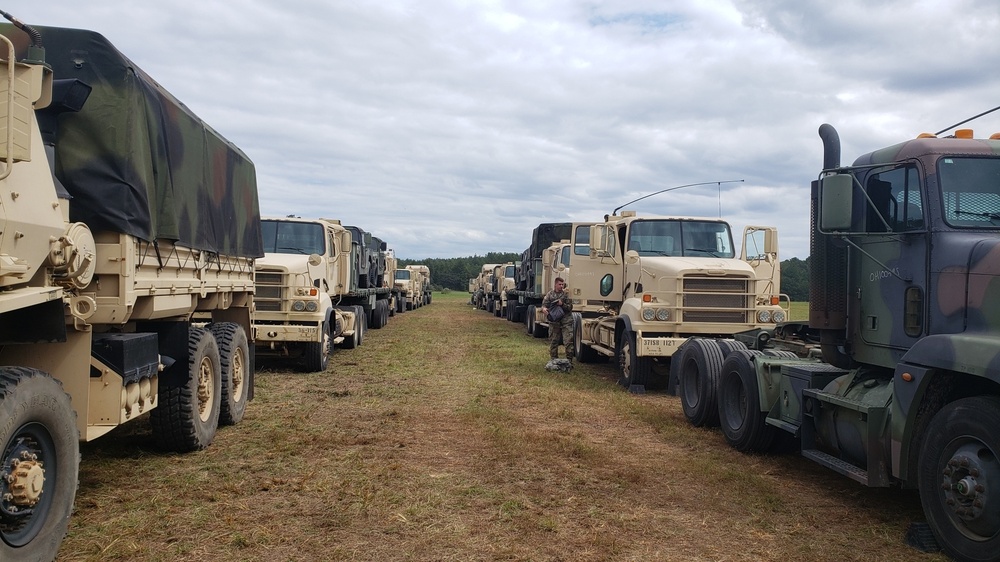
(626, 359)
(238, 374)
(24, 500)
(206, 388)
(971, 468)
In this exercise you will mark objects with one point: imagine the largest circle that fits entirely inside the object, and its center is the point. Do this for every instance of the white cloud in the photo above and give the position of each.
(453, 128)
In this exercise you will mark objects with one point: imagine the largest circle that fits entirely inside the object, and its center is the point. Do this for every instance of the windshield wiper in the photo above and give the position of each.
(702, 250)
(991, 216)
(295, 250)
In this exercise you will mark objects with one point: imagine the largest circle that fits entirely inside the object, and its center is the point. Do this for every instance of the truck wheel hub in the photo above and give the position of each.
(965, 482)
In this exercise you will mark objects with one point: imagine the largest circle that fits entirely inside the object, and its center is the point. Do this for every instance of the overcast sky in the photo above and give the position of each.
(452, 128)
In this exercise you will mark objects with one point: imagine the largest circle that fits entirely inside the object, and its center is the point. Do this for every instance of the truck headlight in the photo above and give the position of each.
(764, 316)
(648, 314)
(779, 315)
(311, 306)
(298, 306)
(663, 314)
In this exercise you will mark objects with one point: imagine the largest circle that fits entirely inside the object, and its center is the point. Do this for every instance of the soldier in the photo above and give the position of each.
(557, 308)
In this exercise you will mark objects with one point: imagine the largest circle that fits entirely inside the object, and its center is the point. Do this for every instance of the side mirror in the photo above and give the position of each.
(835, 202)
(601, 241)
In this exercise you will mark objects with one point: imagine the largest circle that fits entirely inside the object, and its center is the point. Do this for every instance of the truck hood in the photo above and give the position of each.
(670, 266)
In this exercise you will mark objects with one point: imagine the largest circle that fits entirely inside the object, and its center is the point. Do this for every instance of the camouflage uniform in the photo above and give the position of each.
(561, 331)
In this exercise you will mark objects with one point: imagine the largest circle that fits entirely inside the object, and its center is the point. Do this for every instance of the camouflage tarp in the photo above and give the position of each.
(136, 160)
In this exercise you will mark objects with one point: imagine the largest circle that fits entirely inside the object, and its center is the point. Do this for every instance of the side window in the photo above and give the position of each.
(582, 241)
(895, 201)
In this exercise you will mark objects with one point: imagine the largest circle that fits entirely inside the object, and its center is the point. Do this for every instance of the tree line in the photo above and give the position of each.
(454, 273)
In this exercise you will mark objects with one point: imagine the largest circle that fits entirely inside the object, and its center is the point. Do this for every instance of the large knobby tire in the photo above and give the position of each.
(317, 354)
(699, 378)
(959, 477)
(529, 320)
(400, 304)
(234, 358)
(740, 417)
(188, 415)
(633, 370)
(362, 323)
(39, 464)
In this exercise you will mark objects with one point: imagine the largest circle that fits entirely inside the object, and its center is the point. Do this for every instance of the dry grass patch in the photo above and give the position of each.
(443, 438)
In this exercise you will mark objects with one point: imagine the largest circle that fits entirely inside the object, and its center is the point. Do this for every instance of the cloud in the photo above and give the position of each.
(453, 128)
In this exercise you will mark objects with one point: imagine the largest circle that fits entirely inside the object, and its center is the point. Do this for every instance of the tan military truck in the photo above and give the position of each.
(308, 300)
(642, 286)
(481, 284)
(423, 275)
(407, 283)
(128, 233)
(501, 281)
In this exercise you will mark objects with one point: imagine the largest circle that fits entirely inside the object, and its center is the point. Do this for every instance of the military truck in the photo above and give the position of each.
(302, 282)
(409, 288)
(642, 285)
(308, 296)
(554, 263)
(482, 284)
(423, 274)
(528, 291)
(904, 283)
(127, 243)
(501, 281)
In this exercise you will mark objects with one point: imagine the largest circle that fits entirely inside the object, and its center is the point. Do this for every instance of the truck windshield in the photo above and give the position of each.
(402, 275)
(287, 237)
(970, 191)
(678, 238)
(509, 272)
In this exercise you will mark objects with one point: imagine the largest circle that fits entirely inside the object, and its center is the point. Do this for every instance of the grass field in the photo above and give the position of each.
(442, 437)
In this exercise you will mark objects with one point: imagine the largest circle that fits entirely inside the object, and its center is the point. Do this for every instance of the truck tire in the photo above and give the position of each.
(38, 432)
(699, 380)
(740, 418)
(529, 320)
(188, 415)
(727, 346)
(634, 370)
(673, 375)
(234, 358)
(380, 316)
(400, 305)
(959, 477)
(317, 354)
(362, 323)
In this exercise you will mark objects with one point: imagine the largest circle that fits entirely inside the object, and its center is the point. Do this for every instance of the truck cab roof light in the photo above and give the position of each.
(963, 134)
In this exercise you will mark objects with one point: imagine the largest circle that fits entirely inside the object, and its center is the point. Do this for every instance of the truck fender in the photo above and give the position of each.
(922, 380)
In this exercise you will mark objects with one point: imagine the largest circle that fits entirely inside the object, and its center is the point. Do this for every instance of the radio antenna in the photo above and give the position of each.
(967, 120)
(719, 183)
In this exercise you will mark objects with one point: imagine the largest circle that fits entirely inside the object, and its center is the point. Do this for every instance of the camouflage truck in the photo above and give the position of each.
(128, 234)
(641, 286)
(305, 271)
(904, 286)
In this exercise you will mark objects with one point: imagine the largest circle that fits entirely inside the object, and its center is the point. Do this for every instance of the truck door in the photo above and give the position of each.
(889, 296)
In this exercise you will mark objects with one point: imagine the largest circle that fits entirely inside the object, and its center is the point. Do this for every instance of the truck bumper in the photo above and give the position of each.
(265, 334)
(658, 346)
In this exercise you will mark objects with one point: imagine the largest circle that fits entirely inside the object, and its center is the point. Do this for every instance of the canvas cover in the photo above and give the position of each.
(138, 161)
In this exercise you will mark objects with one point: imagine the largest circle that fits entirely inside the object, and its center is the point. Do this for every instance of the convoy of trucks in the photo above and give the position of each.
(129, 234)
(127, 291)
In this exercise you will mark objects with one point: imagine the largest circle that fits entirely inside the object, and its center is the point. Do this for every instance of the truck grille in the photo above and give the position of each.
(267, 295)
(717, 300)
